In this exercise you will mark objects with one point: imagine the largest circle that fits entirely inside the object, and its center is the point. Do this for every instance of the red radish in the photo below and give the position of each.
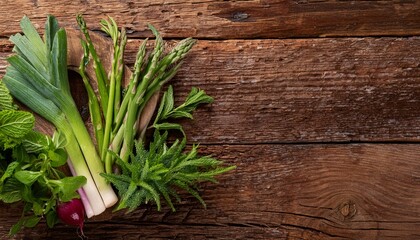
(72, 213)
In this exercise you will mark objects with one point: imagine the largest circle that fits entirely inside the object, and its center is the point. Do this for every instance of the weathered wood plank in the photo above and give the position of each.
(308, 90)
(310, 191)
(229, 19)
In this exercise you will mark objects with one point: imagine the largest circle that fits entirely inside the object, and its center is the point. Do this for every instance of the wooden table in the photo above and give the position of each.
(316, 102)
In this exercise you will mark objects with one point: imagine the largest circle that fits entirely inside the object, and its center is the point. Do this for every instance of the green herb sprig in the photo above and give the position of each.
(160, 171)
(167, 110)
(29, 163)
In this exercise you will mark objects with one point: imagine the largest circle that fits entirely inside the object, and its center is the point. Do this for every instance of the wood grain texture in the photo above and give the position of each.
(309, 191)
(323, 125)
(307, 90)
(229, 19)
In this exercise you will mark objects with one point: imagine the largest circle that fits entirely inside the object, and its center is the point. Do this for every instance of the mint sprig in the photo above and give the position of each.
(28, 166)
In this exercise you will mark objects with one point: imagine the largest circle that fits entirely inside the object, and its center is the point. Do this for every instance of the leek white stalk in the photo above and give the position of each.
(86, 204)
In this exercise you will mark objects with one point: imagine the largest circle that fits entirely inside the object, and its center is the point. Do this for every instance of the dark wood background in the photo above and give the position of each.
(316, 101)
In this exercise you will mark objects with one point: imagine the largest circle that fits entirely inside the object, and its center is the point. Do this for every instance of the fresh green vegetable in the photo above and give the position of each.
(123, 113)
(37, 76)
(158, 172)
(167, 110)
(28, 166)
(6, 100)
(152, 172)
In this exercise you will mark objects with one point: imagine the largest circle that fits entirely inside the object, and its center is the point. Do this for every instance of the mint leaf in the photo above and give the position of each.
(11, 197)
(12, 191)
(59, 140)
(17, 227)
(37, 208)
(28, 221)
(31, 221)
(58, 157)
(52, 219)
(16, 124)
(27, 177)
(68, 186)
(35, 142)
(6, 100)
(9, 172)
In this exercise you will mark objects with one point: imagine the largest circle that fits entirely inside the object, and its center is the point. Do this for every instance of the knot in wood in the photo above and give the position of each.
(239, 16)
(347, 210)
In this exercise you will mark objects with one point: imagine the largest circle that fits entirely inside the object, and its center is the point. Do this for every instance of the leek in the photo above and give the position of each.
(37, 76)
